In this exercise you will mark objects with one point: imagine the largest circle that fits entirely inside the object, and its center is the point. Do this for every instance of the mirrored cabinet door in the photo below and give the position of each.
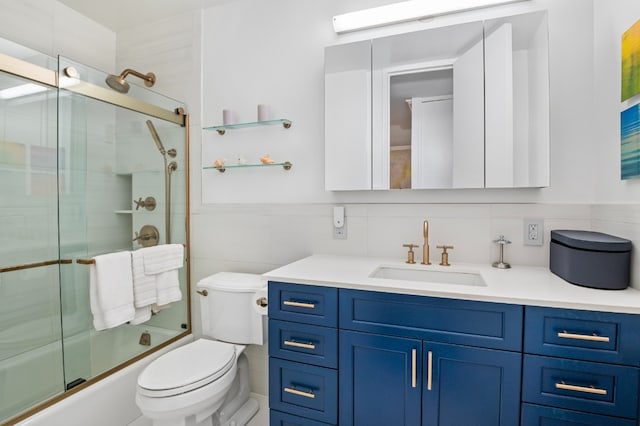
(427, 84)
(347, 116)
(461, 106)
(517, 101)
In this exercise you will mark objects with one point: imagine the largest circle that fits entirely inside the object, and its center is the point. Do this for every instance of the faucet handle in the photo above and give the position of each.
(410, 253)
(445, 255)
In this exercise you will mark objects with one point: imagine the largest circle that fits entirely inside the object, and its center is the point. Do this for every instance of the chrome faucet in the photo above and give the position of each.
(425, 247)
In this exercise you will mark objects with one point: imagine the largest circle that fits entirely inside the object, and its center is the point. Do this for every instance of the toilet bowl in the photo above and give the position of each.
(206, 382)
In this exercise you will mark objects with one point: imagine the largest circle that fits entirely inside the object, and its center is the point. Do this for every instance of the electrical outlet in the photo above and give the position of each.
(533, 232)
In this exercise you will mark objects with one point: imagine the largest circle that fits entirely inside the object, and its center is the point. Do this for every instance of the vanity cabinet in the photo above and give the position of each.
(303, 355)
(580, 367)
(404, 360)
(355, 357)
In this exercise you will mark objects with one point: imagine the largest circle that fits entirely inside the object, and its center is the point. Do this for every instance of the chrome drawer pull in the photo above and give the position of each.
(592, 338)
(299, 393)
(299, 304)
(299, 344)
(585, 389)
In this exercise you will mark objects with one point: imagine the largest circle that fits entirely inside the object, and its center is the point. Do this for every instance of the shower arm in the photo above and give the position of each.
(149, 78)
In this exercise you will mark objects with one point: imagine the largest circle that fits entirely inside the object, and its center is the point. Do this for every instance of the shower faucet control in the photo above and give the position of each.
(148, 203)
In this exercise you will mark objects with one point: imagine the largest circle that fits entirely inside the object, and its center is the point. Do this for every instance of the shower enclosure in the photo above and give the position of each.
(80, 175)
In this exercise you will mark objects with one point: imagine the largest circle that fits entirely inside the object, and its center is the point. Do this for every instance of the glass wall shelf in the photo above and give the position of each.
(222, 129)
(285, 165)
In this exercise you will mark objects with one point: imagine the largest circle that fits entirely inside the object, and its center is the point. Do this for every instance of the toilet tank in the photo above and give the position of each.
(229, 311)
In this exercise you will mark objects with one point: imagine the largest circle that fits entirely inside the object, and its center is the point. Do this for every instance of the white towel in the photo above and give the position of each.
(144, 286)
(111, 290)
(162, 258)
(168, 287)
(141, 315)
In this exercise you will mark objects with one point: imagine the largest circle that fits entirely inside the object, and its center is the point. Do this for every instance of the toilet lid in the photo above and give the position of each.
(187, 368)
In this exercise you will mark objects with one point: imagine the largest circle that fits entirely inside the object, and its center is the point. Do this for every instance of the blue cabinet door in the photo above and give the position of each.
(470, 386)
(379, 380)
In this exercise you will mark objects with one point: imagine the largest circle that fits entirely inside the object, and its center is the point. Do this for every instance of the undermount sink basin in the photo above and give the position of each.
(428, 276)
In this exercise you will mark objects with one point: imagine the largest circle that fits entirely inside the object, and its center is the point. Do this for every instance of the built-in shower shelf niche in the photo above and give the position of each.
(286, 123)
(285, 165)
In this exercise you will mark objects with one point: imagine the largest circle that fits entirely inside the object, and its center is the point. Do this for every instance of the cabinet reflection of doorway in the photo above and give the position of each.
(432, 142)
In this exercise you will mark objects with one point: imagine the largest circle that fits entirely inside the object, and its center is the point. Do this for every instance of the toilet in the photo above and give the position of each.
(206, 382)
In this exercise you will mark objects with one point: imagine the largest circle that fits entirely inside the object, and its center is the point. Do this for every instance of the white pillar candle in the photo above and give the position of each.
(264, 113)
(227, 116)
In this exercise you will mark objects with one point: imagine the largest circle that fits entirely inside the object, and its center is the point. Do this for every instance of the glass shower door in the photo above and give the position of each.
(30, 318)
(114, 163)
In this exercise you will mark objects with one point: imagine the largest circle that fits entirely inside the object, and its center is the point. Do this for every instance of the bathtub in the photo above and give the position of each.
(36, 375)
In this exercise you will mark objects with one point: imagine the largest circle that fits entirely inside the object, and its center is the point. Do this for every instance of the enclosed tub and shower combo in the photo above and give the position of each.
(90, 163)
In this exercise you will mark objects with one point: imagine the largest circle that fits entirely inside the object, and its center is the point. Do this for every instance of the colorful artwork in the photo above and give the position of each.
(631, 62)
(630, 142)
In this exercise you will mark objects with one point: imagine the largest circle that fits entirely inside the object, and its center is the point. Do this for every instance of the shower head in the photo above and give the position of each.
(119, 84)
(156, 138)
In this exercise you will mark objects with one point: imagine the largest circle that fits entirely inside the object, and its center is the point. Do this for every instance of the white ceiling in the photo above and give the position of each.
(122, 14)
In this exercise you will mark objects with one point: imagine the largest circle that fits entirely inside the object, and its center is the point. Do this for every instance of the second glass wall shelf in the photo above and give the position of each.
(222, 129)
(285, 165)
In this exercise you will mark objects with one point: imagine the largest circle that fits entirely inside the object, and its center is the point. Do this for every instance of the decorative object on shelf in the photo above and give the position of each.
(222, 129)
(264, 112)
(227, 117)
(266, 159)
(219, 162)
(286, 165)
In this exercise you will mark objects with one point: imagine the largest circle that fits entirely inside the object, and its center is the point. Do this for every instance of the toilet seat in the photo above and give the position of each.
(186, 368)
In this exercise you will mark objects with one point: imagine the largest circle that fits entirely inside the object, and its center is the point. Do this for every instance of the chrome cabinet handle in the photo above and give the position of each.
(300, 393)
(299, 304)
(429, 370)
(585, 389)
(592, 338)
(299, 344)
(413, 367)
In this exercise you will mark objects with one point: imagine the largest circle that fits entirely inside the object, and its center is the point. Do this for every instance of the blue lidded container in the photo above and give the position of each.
(591, 259)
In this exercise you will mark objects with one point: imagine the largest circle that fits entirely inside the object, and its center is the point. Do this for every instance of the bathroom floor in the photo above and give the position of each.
(260, 419)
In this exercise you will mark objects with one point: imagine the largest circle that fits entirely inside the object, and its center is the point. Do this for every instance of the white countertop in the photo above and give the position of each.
(535, 286)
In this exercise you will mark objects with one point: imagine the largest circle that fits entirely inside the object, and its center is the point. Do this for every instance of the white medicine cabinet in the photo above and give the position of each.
(462, 106)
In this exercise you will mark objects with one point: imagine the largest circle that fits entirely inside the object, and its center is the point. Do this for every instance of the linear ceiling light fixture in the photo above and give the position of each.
(406, 11)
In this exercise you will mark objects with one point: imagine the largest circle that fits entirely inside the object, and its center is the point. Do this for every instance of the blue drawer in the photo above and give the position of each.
(303, 303)
(464, 322)
(277, 418)
(536, 415)
(606, 389)
(303, 390)
(592, 336)
(311, 344)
